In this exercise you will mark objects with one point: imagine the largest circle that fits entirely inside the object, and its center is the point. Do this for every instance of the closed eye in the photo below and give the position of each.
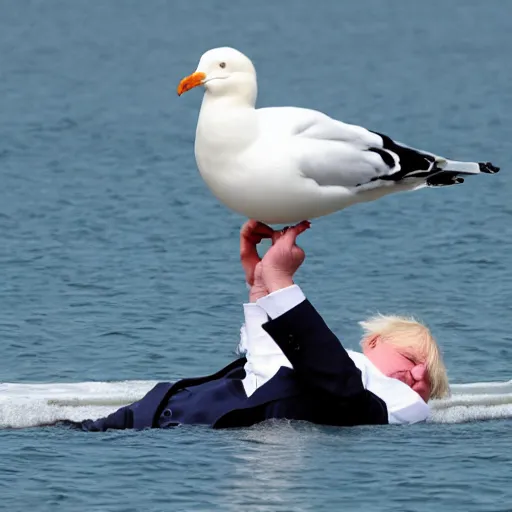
(411, 358)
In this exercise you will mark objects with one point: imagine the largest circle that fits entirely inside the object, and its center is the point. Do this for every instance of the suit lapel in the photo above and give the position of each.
(144, 409)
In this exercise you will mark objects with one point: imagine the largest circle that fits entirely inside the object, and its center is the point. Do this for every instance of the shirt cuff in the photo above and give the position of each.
(255, 317)
(281, 301)
(258, 343)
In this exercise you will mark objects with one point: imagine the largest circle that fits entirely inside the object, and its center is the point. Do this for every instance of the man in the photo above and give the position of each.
(295, 367)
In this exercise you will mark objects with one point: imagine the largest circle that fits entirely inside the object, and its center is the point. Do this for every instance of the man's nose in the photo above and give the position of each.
(419, 372)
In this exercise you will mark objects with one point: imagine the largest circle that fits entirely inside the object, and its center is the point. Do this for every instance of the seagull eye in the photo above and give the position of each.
(222, 65)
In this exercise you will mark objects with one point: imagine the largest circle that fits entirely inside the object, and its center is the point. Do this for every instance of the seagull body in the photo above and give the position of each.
(282, 165)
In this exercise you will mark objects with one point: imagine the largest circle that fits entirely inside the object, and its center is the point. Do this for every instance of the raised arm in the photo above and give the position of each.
(251, 234)
(263, 355)
(314, 351)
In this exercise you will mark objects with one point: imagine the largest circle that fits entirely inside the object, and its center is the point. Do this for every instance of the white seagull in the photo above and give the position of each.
(283, 165)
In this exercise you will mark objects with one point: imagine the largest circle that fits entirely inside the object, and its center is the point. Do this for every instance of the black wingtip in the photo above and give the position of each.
(488, 168)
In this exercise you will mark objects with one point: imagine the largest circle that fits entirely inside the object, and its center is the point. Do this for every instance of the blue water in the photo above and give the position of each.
(117, 263)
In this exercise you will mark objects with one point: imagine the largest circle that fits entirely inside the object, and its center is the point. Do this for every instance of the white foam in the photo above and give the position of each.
(28, 405)
(475, 401)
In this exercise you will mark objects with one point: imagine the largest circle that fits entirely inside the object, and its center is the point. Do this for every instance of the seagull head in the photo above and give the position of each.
(223, 72)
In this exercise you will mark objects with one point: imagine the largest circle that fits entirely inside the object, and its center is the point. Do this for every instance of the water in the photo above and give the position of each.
(120, 269)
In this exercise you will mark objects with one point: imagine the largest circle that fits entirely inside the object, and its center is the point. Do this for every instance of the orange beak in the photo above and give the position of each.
(190, 82)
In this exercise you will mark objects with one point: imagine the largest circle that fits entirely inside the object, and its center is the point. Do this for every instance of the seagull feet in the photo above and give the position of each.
(300, 227)
(303, 226)
(261, 230)
(488, 168)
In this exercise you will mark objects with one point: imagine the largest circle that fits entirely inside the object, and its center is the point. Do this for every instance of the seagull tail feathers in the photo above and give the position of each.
(452, 170)
(468, 167)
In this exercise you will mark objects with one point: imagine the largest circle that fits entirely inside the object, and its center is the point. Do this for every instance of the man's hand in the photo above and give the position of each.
(251, 234)
(283, 258)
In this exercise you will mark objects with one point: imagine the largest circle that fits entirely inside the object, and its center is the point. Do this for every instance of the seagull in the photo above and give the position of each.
(283, 165)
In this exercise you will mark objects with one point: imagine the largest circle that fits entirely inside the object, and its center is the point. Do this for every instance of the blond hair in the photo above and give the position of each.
(408, 333)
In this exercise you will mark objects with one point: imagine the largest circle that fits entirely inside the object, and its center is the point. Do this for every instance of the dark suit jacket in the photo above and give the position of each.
(324, 386)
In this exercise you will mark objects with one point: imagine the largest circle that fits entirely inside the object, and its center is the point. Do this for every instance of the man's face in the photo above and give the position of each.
(399, 363)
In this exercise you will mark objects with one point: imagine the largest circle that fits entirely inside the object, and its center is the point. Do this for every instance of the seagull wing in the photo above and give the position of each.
(334, 153)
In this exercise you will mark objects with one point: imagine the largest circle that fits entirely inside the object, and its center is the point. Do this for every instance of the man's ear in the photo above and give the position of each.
(371, 341)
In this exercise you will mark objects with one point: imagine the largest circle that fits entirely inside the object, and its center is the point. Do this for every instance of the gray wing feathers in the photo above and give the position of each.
(334, 153)
(339, 164)
(325, 128)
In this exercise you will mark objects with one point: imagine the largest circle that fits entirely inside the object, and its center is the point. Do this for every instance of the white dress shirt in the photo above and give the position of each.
(264, 358)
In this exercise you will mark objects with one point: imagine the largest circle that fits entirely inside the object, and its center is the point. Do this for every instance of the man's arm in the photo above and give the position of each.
(299, 331)
(119, 420)
(251, 234)
(315, 353)
(255, 341)
(258, 342)
(264, 357)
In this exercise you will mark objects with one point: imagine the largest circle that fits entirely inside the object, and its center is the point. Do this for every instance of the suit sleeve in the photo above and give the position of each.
(120, 420)
(315, 353)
